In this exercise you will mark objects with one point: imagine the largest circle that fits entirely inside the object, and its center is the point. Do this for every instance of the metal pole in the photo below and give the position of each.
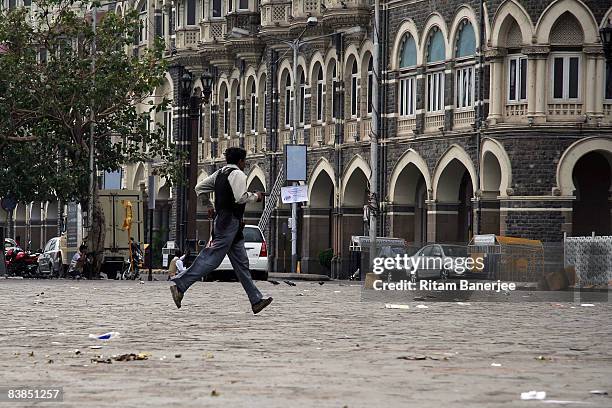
(294, 235)
(92, 176)
(374, 132)
(150, 244)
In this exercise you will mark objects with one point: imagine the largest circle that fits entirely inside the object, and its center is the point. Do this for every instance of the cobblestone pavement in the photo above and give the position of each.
(315, 346)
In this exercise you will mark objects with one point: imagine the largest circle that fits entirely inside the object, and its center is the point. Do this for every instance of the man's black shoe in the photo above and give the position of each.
(177, 296)
(261, 305)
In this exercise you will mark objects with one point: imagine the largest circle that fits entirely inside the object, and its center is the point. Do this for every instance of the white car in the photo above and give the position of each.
(53, 260)
(257, 251)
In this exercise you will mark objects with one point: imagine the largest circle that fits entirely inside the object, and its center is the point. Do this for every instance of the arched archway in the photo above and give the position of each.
(495, 180)
(138, 177)
(318, 223)
(592, 177)
(454, 181)
(409, 191)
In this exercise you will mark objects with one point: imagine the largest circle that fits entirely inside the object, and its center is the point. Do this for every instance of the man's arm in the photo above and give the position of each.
(206, 186)
(237, 180)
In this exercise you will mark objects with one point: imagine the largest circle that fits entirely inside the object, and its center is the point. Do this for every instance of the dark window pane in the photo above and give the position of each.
(12, 4)
(523, 79)
(573, 77)
(370, 93)
(191, 12)
(252, 234)
(216, 8)
(27, 3)
(558, 78)
(512, 88)
(244, 4)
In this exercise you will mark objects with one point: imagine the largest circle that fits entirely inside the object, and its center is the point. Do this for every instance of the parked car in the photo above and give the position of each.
(53, 260)
(439, 261)
(257, 251)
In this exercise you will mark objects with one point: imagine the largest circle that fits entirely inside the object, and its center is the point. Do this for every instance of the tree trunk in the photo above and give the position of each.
(96, 234)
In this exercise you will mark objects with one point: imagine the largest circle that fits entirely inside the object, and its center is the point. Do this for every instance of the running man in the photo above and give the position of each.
(231, 196)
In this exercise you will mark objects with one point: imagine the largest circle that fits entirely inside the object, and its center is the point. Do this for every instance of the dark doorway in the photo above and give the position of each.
(465, 223)
(591, 209)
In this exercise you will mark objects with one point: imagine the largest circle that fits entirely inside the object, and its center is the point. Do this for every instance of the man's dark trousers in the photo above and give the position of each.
(228, 240)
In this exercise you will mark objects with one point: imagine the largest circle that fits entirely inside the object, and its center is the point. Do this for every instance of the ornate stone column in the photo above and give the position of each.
(496, 56)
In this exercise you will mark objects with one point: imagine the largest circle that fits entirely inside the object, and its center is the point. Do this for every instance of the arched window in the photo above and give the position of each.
(370, 83)
(226, 113)
(517, 65)
(566, 66)
(191, 12)
(334, 92)
(253, 107)
(265, 103)
(354, 90)
(464, 74)
(288, 102)
(238, 108)
(408, 57)
(302, 99)
(436, 52)
(320, 97)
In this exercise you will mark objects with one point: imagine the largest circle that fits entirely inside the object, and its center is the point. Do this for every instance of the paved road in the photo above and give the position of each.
(316, 346)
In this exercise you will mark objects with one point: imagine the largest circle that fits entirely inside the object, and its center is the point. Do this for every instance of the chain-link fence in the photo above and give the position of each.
(591, 259)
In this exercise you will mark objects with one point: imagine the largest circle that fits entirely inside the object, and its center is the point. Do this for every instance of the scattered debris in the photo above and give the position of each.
(598, 392)
(495, 365)
(214, 393)
(77, 352)
(289, 283)
(300, 294)
(105, 336)
(99, 359)
(336, 291)
(587, 305)
(31, 354)
(210, 355)
(422, 307)
(393, 306)
(321, 283)
(55, 342)
(50, 361)
(142, 282)
(464, 303)
(578, 348)
(543, 358)
(132, 357)
(422, 357)
(274, 282)
(177, 356)
(95, 347)
(533, 395)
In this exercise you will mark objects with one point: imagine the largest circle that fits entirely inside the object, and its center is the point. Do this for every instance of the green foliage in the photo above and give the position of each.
(325, 257)
(49, 89)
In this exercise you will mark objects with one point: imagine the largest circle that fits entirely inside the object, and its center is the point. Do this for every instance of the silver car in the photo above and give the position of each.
(439, 261)
(50, 261)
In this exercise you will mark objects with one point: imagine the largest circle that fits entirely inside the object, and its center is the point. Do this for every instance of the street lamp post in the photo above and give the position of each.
(186, 81)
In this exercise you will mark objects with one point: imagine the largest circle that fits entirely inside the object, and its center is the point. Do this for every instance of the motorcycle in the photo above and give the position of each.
(21, 263)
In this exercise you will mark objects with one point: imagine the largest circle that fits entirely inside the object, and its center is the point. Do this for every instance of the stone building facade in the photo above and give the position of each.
(496, 117)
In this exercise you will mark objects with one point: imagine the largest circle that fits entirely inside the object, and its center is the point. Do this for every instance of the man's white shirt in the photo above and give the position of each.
(238, 183)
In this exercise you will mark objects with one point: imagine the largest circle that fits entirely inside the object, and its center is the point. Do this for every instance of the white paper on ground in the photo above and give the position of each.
(533, 395)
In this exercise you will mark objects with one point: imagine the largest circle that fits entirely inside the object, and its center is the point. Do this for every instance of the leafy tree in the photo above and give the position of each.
(51, 96)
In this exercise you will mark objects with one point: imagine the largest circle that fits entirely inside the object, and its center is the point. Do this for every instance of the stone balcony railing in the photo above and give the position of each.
(250, 142)
(564, 111)
(364, 129)
(261, 141)
(434, 121)
(275, 13)
(350, 131)
(464, 118)
(516, 112)
(317, 135)
(187, 37)
(212, 31)
(405, 125)
(607, 111)
(306, 8)
(330, 133)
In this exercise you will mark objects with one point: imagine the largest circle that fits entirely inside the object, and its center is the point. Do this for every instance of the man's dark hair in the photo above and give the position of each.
(82, 248)
(234, 154)
(178, 253)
